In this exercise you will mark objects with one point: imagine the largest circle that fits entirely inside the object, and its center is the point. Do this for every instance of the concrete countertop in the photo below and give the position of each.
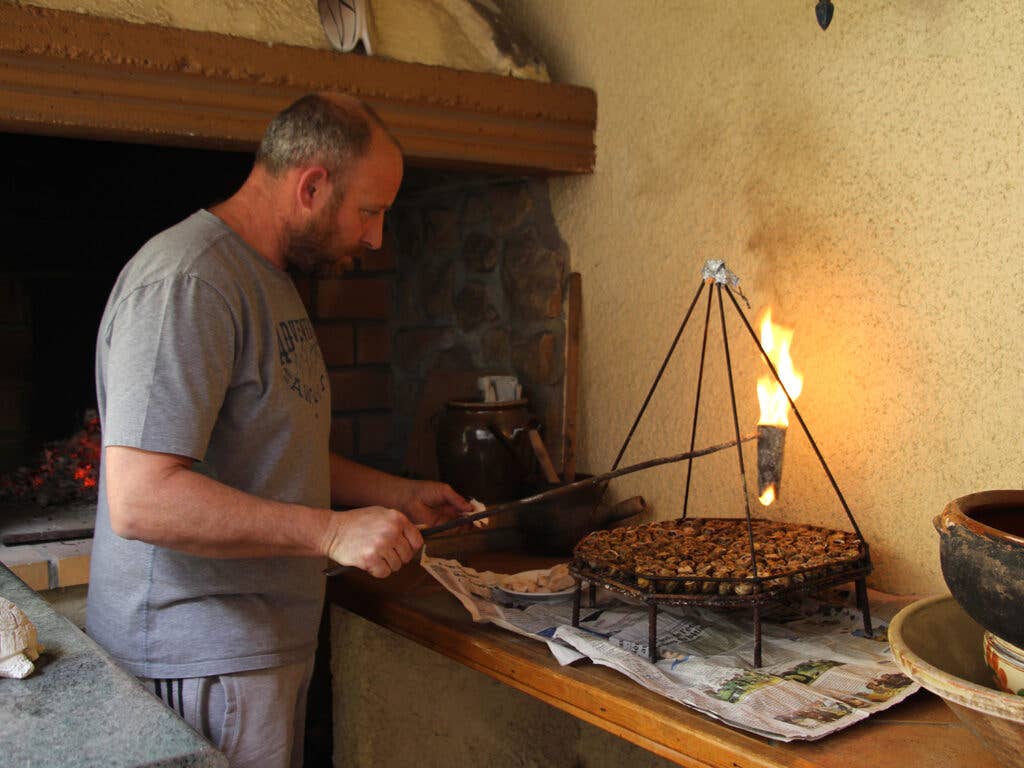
(80, 709)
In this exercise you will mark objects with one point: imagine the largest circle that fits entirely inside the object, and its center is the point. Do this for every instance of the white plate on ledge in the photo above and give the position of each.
(510, 597)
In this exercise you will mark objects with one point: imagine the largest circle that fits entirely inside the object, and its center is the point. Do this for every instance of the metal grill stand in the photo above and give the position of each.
(762, 589)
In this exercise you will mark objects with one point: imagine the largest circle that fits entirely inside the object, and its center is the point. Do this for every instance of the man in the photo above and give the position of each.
(214, 517)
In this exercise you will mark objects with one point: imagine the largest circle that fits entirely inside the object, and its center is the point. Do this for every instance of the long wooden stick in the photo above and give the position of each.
(561, 491)
(570, 395)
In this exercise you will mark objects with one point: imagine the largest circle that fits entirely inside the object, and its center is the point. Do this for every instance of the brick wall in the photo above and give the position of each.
(352, 316)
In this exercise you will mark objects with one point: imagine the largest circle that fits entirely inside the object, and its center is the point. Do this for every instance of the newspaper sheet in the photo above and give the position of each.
(819, 672)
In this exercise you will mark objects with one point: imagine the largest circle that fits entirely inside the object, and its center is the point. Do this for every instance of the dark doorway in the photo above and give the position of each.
(73, 212)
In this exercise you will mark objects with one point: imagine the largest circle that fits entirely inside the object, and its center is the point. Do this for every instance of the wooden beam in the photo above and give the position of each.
(73, 74)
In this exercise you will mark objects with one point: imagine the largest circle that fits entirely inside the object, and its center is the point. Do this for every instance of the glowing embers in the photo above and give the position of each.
(67, 472)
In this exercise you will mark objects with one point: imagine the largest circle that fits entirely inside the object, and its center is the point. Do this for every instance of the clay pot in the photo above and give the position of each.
(483, 449)
(981, 549)
(555, 526)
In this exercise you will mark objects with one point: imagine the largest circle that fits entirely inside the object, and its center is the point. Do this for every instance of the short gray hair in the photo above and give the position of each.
(317, 130)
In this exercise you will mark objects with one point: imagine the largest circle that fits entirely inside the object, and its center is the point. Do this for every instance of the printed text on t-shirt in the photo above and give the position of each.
(301, 360)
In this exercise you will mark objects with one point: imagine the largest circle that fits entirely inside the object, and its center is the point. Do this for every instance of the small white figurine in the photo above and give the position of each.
(19, 646)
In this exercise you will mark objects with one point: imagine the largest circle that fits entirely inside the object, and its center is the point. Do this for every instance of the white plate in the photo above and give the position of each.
(504, 596)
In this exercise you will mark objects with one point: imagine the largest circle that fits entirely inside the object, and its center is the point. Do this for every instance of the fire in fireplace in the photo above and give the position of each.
(67, 473)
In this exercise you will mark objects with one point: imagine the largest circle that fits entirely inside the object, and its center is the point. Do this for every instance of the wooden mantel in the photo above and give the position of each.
(72, 74)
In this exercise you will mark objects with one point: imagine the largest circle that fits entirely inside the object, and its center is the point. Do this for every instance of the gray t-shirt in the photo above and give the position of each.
(206, 350)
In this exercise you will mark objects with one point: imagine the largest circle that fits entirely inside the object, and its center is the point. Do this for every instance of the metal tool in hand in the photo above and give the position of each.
(555, 492)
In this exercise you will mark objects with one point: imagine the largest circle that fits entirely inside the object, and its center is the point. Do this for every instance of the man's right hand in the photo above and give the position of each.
(377, 540)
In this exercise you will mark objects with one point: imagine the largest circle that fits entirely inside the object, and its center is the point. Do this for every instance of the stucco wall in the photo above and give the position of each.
(864, 181)
(294, 22)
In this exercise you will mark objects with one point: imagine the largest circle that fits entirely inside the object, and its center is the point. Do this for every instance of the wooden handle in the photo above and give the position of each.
(574, 303)
(541, 452)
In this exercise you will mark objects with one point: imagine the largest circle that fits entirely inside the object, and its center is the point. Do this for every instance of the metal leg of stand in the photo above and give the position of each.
(652, 632)
(862, 603)
(593, 595)
(576, 596)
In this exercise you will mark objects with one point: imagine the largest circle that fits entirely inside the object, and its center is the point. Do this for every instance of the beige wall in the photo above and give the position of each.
(295, 22)
(865, 182)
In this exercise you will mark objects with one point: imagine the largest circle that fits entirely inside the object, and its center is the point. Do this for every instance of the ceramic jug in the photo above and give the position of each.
(483, 449)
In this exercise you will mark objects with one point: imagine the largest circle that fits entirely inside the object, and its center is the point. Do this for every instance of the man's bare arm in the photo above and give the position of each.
(156, 498)
(423, 501)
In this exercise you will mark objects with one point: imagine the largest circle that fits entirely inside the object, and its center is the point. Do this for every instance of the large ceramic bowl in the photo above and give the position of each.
(981, 548)
(938, 645)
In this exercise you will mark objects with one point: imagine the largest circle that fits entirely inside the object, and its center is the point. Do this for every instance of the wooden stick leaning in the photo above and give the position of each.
(560, 491)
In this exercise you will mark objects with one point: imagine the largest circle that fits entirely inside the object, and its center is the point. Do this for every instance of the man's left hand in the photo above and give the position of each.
(430, 503)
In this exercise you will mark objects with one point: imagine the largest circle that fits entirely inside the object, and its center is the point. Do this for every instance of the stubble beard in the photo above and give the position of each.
(313, 250)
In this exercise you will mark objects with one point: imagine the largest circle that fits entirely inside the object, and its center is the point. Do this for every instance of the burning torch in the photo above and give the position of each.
(771, 426)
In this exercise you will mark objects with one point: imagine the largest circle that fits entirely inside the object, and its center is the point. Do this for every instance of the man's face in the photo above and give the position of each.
(351, 220)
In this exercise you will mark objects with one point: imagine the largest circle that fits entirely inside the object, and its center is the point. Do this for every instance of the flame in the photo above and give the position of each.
(776, 341)
(768, 496)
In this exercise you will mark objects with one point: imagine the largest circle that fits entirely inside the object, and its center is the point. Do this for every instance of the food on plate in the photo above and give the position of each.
(694, 555)
(556, 579)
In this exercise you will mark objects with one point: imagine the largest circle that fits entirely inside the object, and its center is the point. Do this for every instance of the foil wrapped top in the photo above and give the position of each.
(715, 270)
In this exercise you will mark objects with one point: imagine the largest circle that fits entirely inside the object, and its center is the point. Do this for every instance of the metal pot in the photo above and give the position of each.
(555, 526)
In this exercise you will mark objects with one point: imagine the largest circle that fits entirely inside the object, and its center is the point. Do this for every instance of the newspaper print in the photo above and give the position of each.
(820, 672)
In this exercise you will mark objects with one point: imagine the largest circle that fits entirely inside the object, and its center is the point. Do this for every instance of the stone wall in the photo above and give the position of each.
(480, 270)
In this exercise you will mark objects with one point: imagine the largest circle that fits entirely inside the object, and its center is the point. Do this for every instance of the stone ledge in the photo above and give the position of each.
(80, 709)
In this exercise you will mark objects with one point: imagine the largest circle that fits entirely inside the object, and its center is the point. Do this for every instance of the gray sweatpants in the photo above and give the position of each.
(256, 718)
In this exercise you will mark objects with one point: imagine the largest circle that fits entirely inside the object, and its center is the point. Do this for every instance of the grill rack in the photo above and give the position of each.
(763, 591)
(717, 274)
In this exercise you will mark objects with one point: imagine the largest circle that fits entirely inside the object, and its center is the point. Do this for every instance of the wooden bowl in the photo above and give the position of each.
(938, 645)
(981, 548)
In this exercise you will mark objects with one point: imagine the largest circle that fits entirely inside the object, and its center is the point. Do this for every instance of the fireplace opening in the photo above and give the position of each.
(470, 282)
(73, 212)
